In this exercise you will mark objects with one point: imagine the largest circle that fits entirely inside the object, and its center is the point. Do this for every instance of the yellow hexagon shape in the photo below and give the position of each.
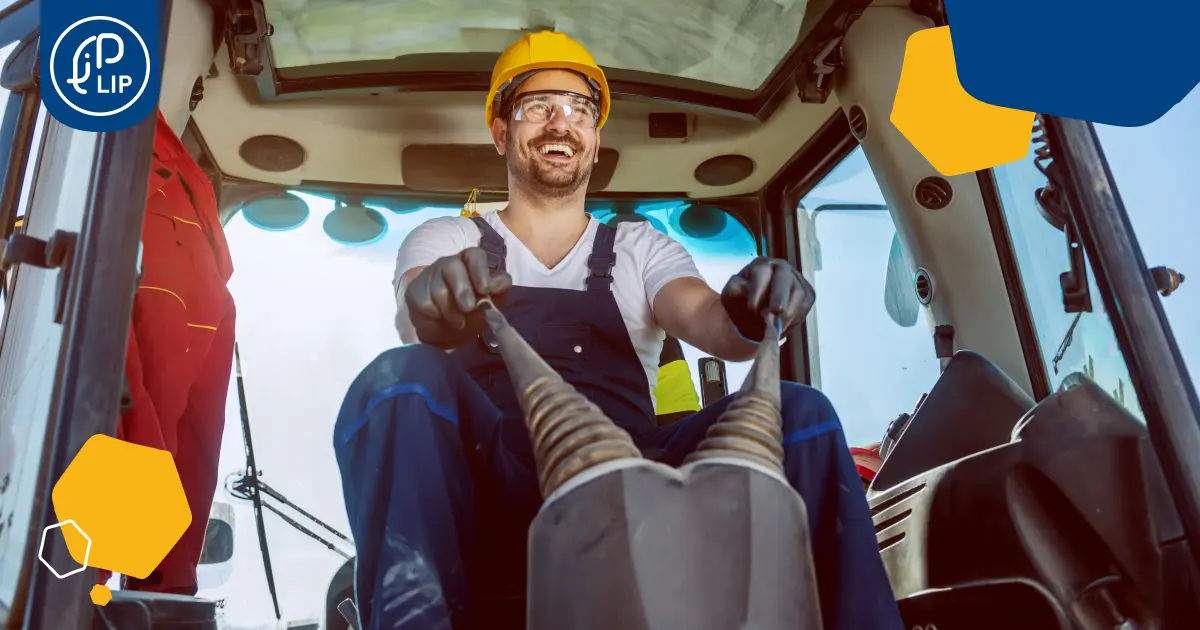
(954, 131)
(129, 500)
(101, 595)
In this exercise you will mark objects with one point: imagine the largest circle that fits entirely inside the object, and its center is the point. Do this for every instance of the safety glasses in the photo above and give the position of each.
(539, 107)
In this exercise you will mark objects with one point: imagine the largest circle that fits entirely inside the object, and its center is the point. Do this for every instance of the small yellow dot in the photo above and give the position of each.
(101, 595)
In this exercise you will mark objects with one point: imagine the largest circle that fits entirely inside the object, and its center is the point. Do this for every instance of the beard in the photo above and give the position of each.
(546, 179)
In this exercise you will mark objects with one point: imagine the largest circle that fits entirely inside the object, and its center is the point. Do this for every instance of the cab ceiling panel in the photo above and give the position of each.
(385, 140)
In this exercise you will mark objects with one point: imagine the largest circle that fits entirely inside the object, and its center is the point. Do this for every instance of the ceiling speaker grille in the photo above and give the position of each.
(724, 170)
(276, 154)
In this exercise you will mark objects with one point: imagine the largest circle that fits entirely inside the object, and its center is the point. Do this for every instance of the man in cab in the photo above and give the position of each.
(436, 462)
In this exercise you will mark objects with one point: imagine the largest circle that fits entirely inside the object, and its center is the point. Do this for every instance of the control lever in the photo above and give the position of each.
(642, 532)
(570, 434)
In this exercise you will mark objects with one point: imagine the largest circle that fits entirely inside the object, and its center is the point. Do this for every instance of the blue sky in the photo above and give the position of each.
(1157, 168)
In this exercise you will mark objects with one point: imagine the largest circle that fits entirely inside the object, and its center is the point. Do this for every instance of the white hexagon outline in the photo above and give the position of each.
(86, 554)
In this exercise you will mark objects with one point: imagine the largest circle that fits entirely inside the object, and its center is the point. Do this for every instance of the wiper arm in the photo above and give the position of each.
(252, 473)
(248, 485)
(1066, 342)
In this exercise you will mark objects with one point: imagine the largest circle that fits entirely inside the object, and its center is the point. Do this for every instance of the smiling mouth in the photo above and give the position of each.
(557, 150)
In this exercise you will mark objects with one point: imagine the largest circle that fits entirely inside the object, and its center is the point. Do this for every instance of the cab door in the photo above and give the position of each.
(70, 270)
(1130, 297)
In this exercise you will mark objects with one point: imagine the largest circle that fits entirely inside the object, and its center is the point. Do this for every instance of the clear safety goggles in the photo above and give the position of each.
(539, 107)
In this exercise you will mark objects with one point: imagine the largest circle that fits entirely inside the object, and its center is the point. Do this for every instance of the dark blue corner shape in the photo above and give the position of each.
(101, 61)
(1110, 62)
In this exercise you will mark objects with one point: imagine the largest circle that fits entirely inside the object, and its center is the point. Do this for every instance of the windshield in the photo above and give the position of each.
(736, 43)
(314, 307)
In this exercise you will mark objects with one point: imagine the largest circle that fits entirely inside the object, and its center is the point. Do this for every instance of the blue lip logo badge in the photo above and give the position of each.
(103, 66)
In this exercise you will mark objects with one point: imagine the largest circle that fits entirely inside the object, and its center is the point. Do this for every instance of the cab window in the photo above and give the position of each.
(871, 348)
(1068, 342)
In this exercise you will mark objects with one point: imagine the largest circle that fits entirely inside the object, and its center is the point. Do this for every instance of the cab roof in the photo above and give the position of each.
(377, 93)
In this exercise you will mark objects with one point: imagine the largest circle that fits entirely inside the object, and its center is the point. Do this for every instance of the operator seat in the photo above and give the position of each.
(1065, 524)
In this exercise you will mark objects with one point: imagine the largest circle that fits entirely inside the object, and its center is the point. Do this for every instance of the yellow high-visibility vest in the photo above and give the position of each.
(675, 392)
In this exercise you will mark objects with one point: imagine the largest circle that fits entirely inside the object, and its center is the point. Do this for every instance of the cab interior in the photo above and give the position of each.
(1019, 487)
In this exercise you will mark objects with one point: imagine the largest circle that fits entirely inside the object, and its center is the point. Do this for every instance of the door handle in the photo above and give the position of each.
(56, 253)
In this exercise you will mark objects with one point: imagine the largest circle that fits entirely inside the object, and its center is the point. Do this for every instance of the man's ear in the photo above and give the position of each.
(596, 157)
(499, 134)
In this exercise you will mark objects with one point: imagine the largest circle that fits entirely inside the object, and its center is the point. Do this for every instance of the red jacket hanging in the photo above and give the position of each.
(180, 351)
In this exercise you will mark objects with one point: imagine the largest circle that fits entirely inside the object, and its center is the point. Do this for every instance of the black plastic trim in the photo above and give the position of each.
(1023, 318)
(1157, 369)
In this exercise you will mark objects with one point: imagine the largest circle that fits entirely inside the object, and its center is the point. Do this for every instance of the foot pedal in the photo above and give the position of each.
(349, 613)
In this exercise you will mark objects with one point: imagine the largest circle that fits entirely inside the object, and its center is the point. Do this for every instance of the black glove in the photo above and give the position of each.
(767, 285)
(442, 298)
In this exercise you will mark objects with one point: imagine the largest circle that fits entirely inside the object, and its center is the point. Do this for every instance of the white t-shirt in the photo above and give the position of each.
(646, 261)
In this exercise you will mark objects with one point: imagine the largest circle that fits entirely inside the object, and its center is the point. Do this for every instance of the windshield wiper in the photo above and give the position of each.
(1066, 342)
(245, 486)
(252, 472)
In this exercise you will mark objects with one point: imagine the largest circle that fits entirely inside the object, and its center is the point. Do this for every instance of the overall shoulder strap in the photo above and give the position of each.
(492, 243)
(603, 259)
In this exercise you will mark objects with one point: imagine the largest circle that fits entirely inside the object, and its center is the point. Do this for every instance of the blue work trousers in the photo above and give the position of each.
(440, 489)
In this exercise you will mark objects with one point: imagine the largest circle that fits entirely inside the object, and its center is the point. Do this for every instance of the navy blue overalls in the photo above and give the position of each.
(439, 479)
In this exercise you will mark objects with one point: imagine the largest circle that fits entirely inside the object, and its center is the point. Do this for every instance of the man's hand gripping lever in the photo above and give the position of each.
(767, 286)
(443, 299)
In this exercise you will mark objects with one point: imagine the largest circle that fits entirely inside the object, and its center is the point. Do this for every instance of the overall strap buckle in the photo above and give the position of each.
(601, 268)
(491, 242)
(602, 260)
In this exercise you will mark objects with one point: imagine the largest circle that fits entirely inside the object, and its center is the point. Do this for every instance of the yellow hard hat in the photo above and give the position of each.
(545, 50)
